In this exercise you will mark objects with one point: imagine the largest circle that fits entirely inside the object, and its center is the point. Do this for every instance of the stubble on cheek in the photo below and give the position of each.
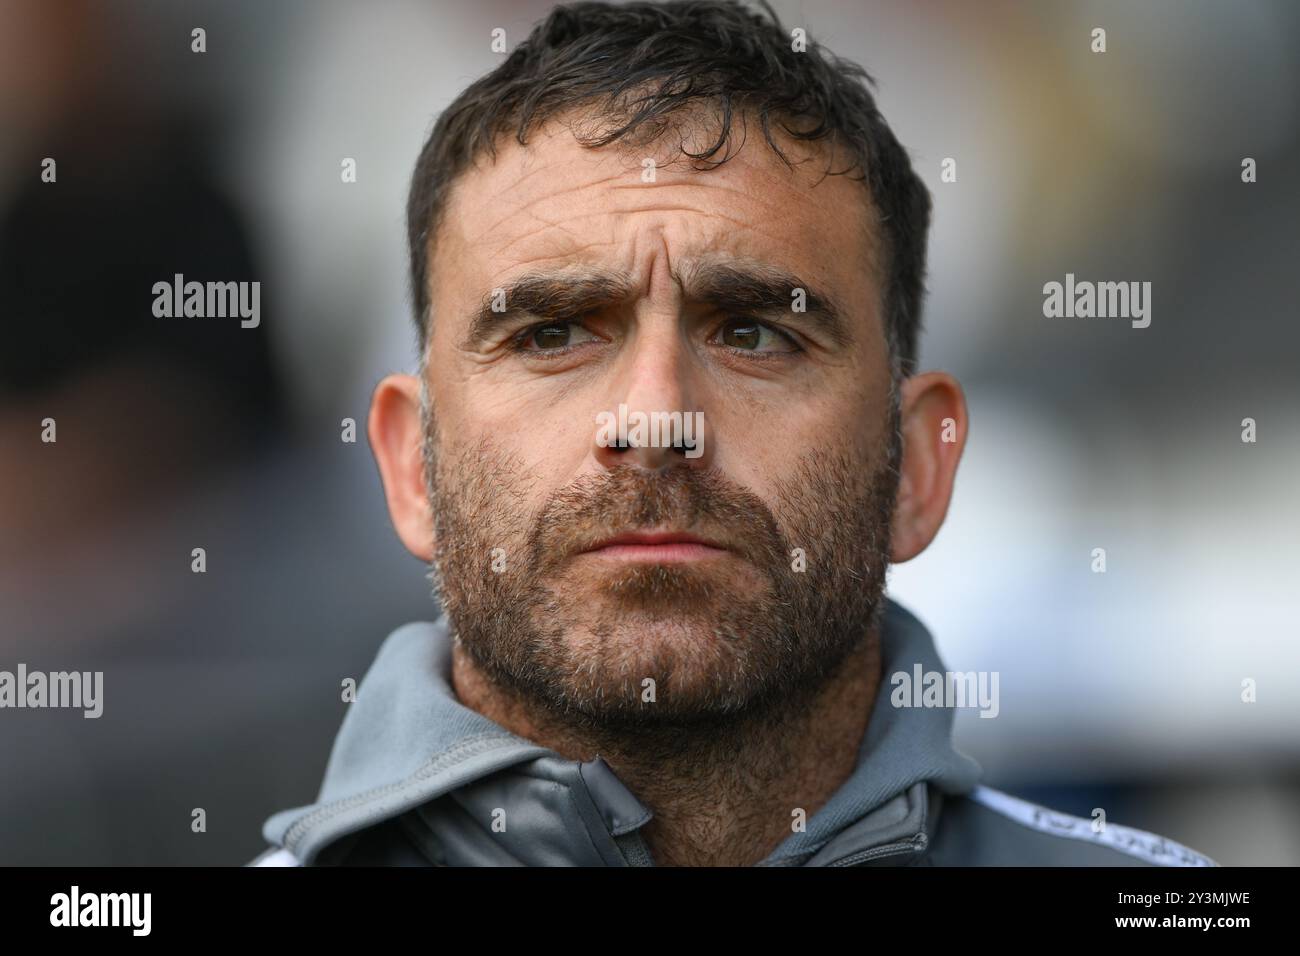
(581, 636)
(524, 603)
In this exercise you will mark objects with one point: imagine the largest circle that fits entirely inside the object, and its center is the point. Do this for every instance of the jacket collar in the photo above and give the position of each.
(407, 741)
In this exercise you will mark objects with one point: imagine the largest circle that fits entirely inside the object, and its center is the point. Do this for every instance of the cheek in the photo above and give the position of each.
(767, 443)
(524, 449)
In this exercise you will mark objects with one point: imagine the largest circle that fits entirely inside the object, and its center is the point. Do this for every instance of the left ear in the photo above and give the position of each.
(933, 411)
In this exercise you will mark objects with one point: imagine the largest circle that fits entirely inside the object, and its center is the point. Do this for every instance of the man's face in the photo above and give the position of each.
(679, 294)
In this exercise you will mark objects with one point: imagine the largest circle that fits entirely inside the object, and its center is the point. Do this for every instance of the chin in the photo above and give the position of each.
(683, 653)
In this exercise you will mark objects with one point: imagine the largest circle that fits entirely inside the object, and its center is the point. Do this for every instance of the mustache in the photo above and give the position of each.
(597, 507)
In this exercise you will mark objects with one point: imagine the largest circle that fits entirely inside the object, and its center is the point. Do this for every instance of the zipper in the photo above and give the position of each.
(915, 844)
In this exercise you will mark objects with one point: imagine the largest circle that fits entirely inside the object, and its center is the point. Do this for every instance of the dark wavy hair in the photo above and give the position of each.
(636, 63)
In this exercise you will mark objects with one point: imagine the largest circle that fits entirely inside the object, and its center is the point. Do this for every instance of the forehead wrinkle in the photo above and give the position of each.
(566, 226)
(565, 257)
(779, 239)
(773, 208)
(784, 183)
(526, 206)
(720, 185)
(770, 208)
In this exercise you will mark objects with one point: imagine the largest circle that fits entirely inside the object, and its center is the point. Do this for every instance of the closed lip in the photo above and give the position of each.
(655, 538)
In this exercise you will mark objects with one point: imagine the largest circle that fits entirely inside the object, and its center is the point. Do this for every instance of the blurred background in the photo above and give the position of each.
(1120, 690)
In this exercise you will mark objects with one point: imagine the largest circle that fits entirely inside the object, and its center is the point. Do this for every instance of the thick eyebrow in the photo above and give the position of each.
(758, 287)
(746, 287)
(558, 295)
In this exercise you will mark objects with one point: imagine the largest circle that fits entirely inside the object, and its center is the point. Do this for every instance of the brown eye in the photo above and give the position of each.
(754, 336)
(741, 335)
(550, 336)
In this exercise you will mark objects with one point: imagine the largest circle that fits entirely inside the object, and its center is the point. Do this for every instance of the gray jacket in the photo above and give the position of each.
(417, 779)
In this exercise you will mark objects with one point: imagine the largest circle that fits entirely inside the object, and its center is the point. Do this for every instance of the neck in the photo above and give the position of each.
(721, 795)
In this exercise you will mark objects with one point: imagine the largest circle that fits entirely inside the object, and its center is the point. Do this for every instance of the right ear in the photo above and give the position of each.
(396, 436)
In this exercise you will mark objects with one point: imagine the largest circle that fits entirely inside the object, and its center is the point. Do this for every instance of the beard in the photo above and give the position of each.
(642, 648)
